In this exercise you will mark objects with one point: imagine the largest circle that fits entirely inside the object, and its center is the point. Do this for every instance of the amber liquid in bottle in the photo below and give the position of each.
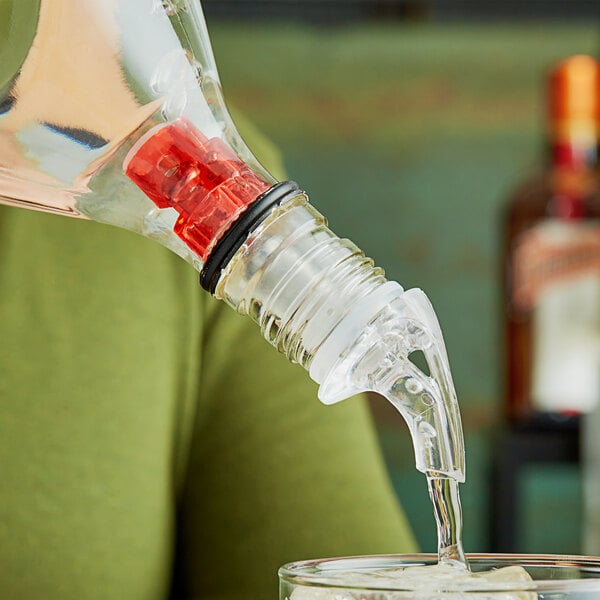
(552, 263)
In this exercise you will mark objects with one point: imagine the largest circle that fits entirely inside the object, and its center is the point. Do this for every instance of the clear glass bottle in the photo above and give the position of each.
(113, 111)
(552, 262)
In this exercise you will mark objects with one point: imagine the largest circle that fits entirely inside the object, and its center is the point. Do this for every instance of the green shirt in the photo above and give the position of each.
(152, 444)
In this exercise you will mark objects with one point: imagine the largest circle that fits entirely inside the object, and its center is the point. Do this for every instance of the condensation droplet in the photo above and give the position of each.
(427, 399)
(172, 7)
(171, 71)
(175, 104)
(197, 67)
(413, 386)
(426, 429)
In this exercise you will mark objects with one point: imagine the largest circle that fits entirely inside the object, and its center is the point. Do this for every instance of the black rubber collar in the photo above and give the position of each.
(235, 236)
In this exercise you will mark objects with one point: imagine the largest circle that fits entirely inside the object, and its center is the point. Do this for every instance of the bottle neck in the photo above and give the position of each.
(573, 113)
(575, 154)
(323, 304)
(574, 167)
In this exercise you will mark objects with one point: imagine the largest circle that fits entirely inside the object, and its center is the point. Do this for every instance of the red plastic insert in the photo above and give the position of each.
(202, 179)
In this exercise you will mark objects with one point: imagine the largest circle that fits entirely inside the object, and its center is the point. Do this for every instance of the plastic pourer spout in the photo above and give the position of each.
(392, 326)
(427, 401)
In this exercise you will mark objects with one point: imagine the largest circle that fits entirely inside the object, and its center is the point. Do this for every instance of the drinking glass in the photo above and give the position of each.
(540, 577)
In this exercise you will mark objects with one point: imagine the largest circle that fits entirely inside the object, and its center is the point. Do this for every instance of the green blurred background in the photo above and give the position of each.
(409, 135)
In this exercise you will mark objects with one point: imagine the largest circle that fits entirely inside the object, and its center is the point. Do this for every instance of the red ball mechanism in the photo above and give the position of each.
(177, 167)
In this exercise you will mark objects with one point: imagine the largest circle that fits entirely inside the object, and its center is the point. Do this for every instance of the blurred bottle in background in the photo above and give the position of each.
(552, 262)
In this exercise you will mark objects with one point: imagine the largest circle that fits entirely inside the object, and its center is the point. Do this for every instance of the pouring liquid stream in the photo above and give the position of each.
(445, 497)
(425, 397)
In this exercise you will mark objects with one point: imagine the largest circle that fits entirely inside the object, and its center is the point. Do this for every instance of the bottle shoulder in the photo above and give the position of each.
(542, 196)
(528, 202)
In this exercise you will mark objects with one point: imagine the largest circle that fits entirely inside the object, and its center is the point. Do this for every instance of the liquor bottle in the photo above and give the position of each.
(132, 130)
(552, 262)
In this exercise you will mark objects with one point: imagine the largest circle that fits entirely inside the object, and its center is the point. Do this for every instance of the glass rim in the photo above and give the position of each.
(306, 572)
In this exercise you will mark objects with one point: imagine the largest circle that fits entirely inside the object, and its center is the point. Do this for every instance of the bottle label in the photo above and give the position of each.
(556, 275)
(552, 253)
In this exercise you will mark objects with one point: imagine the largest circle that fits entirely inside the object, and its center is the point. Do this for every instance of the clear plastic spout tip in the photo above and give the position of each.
(371, 350)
